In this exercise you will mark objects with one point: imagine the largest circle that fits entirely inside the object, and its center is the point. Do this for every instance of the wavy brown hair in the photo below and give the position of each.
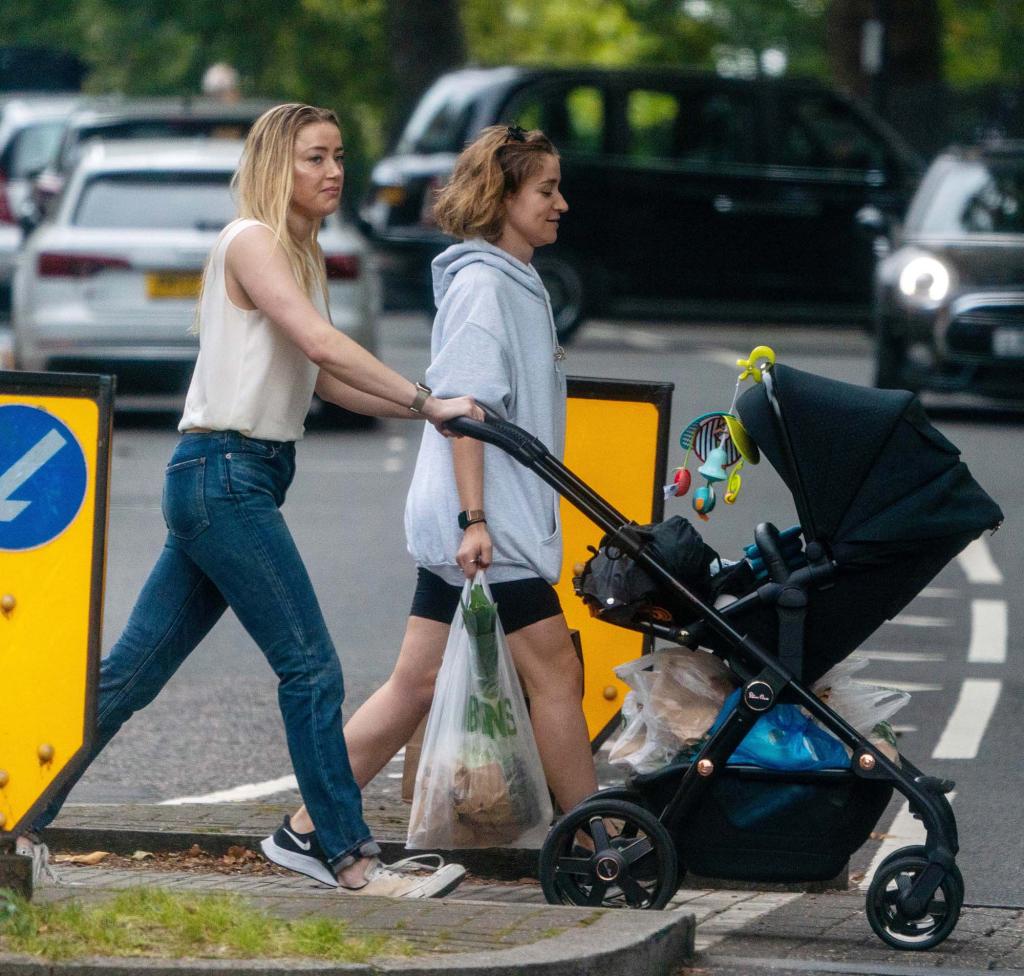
(492, 167)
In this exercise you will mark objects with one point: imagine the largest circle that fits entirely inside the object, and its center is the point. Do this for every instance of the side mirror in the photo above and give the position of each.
(873, 222)
(28, 219)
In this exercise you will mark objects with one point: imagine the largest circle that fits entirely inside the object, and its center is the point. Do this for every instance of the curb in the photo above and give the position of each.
(496, 863)
(493, 863)
(652, 943)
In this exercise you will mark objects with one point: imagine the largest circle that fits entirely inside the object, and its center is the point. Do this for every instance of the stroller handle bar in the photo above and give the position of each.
(533, 454)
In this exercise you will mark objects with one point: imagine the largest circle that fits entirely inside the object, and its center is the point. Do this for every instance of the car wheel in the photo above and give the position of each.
(890, 359)
(567, 290)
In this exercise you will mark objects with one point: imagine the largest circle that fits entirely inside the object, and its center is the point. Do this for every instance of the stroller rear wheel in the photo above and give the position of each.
(892, 881)
(633, 863)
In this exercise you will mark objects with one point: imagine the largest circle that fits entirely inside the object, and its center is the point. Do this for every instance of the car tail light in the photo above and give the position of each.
(342, 267)
(6, 214)
(52, 264)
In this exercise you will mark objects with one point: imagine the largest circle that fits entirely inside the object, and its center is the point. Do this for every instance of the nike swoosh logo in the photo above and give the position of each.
(304, 845)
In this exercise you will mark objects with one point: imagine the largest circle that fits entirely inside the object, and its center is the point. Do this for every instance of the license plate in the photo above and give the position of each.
(1008, 343)
(173, 284)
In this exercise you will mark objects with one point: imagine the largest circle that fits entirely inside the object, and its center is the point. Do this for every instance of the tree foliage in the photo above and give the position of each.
(371, 58)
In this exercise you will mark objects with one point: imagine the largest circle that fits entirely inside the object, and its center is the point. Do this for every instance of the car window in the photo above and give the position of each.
(819, 131)
(200, 201)
(150, 129)
(439, 122)
(572, 118)
(652, 117)
(694, 126)
(975, 198)
(32, 148)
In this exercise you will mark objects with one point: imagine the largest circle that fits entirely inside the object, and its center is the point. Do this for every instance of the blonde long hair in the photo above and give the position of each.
(263, 185)
(490, 169)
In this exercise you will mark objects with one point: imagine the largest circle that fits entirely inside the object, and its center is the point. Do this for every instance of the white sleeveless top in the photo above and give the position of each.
(249, 376)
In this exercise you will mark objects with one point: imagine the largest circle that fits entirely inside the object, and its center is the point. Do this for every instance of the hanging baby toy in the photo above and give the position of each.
(720, 442)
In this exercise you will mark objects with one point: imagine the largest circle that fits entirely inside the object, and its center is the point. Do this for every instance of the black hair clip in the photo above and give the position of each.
(516, 132)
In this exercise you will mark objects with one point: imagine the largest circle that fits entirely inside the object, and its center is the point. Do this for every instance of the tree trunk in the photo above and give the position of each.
(425, 39)
(913, 42)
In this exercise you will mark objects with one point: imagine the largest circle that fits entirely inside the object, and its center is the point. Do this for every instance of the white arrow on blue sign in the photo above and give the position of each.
(43, 477)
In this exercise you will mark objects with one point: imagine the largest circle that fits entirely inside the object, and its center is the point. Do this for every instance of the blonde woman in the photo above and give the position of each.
(472, 505)
(265, 345)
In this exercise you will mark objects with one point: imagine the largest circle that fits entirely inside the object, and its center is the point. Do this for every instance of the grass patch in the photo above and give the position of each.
(149, 922)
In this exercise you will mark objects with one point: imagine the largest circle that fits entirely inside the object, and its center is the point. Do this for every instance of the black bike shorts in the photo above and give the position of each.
(520, 602)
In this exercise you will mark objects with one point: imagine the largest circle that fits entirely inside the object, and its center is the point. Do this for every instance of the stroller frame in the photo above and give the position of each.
(898, 911)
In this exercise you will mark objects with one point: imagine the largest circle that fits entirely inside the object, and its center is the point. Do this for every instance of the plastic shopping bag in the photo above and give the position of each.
(674, 697)
(785, 738)
(867, 707)
(480, 782)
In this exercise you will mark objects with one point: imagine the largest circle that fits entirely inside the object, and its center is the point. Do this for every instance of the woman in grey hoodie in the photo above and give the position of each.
(470, 505)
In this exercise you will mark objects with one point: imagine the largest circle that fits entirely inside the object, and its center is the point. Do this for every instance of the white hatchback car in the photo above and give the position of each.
(109, 284)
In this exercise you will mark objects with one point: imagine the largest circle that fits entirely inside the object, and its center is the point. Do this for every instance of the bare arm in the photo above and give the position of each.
(475, 550)
(333, 390)
(261, 269)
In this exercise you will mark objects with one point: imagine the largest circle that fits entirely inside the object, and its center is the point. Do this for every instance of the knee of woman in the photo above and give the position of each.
(322, 671)
(415, 688)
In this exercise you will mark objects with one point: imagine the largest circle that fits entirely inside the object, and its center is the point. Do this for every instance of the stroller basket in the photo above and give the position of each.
(768, 825)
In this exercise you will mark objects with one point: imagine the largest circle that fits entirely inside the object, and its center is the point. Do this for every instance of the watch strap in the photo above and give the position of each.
(470, 517)
(423, 393)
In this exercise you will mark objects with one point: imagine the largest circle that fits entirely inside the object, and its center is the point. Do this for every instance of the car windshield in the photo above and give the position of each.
(439, 122)
(165, 201)
(975, 197)
(33, 147)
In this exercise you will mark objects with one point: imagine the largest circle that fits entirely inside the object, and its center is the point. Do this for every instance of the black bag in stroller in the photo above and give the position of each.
(884, 503)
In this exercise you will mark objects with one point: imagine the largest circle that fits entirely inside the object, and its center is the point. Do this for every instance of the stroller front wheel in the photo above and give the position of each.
(632, 863)
(892, 882)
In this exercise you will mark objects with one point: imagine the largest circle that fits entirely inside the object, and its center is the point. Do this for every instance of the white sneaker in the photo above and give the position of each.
(40, 854)
(399, 880)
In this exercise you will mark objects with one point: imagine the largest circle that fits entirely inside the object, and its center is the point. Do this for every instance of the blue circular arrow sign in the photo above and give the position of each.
(43, 477)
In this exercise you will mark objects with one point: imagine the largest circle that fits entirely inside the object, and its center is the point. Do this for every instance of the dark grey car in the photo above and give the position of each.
(949, 310)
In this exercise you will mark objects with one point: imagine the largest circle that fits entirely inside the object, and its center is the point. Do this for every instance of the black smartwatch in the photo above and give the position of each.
(470, 517)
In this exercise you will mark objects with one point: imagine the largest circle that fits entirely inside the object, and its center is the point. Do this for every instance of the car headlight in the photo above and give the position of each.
(924, 280)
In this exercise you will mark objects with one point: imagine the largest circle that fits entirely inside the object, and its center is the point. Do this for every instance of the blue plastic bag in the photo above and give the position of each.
(784, 738)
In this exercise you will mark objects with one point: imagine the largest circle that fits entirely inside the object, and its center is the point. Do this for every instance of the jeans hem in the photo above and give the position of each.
(367, 847)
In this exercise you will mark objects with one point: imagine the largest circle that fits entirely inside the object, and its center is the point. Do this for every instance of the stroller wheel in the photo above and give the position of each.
(919, 850)
(894, 879)
(633, 863)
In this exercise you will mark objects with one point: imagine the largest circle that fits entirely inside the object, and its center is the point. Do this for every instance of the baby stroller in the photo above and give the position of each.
(884, 503)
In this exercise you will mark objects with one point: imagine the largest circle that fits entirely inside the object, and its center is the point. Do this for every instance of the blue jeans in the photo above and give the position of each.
(228, 546)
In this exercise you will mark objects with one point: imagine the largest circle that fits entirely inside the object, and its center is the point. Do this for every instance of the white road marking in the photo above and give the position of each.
(977, 563)
(899, 685)
(988, 632)
(910, 620)
(352, 466)
(938, 593)
(23, 469)
(965, 729)
(238, 794)
(396, 443)
(908, 657)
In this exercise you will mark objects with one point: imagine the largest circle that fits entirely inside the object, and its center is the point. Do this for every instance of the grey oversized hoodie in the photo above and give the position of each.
(494, 340)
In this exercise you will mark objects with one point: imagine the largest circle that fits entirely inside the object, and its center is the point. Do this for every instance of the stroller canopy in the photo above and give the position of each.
(870, 475)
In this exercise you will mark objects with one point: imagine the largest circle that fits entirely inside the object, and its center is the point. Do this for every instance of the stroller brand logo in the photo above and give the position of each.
(759, 696)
